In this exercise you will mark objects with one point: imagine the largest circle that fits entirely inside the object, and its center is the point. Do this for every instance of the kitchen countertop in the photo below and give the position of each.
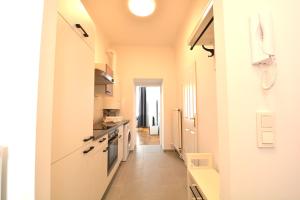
(100, 133)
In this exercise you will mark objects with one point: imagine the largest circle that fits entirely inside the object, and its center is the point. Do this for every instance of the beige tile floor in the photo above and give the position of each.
(149, 174)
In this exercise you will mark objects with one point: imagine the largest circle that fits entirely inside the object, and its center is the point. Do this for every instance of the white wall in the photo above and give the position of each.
(146, 62)
(45, 102)
(206, 81)
(20, 40)
(248, 172)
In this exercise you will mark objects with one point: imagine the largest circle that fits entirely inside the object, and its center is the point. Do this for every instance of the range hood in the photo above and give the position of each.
(204, 32)
(102, 78)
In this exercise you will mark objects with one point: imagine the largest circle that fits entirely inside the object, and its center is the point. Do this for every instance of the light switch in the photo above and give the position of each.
(266, 121)
(265, 129)
(267, 137)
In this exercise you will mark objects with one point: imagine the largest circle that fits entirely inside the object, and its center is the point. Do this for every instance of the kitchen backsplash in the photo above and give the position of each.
(111, 112)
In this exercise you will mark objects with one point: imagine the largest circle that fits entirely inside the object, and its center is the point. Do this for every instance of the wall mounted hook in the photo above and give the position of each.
(211, 51)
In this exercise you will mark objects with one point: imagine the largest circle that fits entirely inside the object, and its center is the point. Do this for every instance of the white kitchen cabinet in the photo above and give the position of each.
(71, 177)
(81, 175)
(73, 92)
(120, 144)
(74, 13)
(98, 168)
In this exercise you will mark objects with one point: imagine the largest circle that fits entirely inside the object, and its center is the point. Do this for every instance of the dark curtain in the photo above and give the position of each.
(142, 118)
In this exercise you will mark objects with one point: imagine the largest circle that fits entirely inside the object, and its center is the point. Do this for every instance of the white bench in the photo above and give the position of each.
(202, 179)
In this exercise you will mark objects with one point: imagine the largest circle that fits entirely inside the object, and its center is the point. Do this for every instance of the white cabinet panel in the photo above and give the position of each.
(73, 92)
(81, 175)
(98, 168)
(74, 13)
(70, 177)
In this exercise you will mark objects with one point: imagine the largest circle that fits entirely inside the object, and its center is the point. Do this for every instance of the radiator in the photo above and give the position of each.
(177, 130)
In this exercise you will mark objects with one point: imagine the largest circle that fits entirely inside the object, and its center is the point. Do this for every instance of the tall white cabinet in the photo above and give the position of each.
(78, 163)
(73, 92)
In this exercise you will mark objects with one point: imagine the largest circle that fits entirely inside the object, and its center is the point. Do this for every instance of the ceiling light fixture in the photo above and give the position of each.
(141, 8)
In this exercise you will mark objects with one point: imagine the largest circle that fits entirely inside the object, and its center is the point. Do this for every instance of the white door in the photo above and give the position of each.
(190, 109)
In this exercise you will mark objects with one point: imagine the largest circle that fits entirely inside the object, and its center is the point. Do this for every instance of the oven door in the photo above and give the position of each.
(112, 153)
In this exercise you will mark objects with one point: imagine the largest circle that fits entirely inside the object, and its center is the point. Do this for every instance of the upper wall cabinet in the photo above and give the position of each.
(75, 14)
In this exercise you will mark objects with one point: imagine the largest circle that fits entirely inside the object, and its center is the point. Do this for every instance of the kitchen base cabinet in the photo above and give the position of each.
(81, 175)
(71, 177)
(98, 168)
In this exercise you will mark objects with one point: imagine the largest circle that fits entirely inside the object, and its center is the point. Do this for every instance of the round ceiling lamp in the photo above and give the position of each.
(141, 8)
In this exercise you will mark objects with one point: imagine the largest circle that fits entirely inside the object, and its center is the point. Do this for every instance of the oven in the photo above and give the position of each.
(112, 150)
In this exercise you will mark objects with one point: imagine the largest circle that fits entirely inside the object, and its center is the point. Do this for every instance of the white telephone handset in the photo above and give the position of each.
(261, 33)
(262, 44)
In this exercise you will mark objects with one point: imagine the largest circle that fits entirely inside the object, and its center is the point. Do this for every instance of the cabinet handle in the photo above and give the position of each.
(80, 27)
(88, 139)
(105, 150)
(100, 141)
(90, 149)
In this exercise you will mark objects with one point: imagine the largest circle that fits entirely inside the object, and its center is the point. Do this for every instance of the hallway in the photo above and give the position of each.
(149, 174)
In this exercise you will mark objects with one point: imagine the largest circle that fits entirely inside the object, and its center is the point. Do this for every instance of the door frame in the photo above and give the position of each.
(149, 83)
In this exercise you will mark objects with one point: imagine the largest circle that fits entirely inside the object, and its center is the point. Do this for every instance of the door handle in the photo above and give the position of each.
(105, 150)
(90, 149)
(84, 32)
(88, 139)
(194, 121)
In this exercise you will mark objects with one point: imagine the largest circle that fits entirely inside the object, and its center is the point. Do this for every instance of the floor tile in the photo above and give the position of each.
(149, 174)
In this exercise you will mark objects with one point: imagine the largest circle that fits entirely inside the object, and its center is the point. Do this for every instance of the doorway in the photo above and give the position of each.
(148, 114)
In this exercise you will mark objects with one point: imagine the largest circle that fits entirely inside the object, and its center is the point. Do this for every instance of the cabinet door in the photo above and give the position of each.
(98, 167)
(120, 144)
(71, 177)
(73, 92)
(74, 13)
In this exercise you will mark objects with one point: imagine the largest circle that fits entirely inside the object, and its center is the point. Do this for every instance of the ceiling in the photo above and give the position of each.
(113, 18)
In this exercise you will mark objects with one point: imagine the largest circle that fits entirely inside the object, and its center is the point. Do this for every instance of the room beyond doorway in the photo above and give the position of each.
(148, 112)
